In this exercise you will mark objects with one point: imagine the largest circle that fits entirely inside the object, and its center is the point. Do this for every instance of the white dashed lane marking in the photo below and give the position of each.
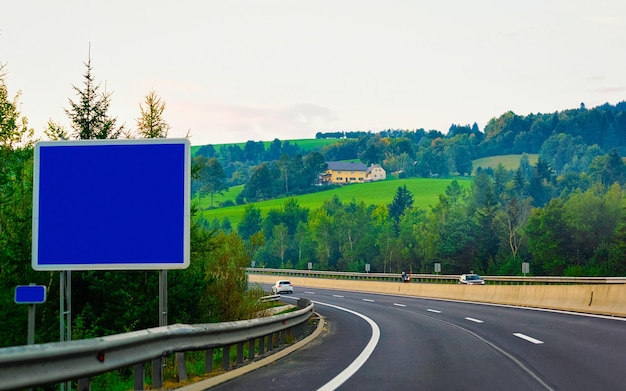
(399, 305)
(435, 311)
(527, 338)
(337, 296)
(474, 320)
(369, 300)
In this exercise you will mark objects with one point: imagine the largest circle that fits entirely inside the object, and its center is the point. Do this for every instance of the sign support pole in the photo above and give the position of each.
(62, 306)
(65, 303)
(31, 325)
(163, 297)
(159, 363)
(65, 312)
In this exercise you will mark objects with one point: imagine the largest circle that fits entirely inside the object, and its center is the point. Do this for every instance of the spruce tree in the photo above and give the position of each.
(402, 201)
(151, 123)
(88, 114)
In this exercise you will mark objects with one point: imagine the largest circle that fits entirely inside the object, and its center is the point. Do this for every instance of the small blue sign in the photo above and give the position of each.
(30, 294)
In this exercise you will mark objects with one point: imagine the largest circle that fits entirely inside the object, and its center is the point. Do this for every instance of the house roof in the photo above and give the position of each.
(373, 166)
(346, 166)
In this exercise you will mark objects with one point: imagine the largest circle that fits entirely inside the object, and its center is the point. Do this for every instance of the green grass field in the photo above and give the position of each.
(306, 144)
(510, 162)
(425, 194)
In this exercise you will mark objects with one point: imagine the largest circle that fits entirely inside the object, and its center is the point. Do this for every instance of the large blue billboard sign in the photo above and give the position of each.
(111, 204)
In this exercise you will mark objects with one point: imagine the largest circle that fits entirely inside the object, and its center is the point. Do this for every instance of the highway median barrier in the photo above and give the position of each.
(599, 299)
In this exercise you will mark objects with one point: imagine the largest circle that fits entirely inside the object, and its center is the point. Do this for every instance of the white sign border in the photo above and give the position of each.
(113, 266)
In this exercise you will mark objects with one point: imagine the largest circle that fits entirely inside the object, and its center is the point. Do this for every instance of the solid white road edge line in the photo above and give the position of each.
(361, 359)
(527, 338)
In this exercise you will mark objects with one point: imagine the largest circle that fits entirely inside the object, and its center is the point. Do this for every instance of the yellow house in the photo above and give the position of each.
(353, 172)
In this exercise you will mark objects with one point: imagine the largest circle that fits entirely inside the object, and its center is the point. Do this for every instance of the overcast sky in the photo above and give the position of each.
(238, 70)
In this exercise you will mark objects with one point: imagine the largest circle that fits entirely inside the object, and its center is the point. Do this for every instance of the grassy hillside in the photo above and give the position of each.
(306, 145)
(425, 194)
(425, 191)
(510, 162)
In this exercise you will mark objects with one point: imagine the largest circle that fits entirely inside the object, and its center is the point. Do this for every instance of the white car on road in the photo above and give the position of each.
(471, 279)
(282, 286)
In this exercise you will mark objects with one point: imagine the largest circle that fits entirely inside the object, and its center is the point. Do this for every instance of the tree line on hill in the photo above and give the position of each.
(569, 142)
(561, 225)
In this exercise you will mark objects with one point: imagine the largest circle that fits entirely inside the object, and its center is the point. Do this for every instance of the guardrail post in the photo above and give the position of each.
(270, 342)
(240, 352)
(261, 345)
(182, 366)
(139, 376)
(208, 360)
(226, 357)
(157, 373)
(251, 349)
(84, 384)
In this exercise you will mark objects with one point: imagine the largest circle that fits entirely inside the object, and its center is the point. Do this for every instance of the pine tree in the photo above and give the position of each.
(151, 123)
(88, 115)
(14, 128)
(401, 201)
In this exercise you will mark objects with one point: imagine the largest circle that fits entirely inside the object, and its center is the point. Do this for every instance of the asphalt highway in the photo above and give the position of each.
(383, 342)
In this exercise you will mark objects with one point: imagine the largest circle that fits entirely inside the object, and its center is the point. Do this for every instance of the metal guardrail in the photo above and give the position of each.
(266, 299)
(439, 278)
(37, 365)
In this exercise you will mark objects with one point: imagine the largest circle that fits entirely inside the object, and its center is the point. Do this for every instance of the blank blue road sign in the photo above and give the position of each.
(30, 294)
(111, 204)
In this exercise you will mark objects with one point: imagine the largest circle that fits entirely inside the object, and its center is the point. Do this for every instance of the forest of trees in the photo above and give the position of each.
(490, 228)
(565, 214)
(502, 221)
(212, 289)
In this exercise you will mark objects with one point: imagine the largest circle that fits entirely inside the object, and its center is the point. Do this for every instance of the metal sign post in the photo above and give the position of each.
(159, 363)
(525, 268)
(65, 306)
(30, 294)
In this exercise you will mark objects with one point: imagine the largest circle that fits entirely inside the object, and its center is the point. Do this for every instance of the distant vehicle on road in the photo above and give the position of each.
(282, 286)
(471, 279)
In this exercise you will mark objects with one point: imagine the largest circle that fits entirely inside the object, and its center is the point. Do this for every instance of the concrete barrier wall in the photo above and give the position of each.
(602, 299)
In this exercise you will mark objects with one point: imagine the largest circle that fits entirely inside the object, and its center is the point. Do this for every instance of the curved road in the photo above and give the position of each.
(381, 342)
